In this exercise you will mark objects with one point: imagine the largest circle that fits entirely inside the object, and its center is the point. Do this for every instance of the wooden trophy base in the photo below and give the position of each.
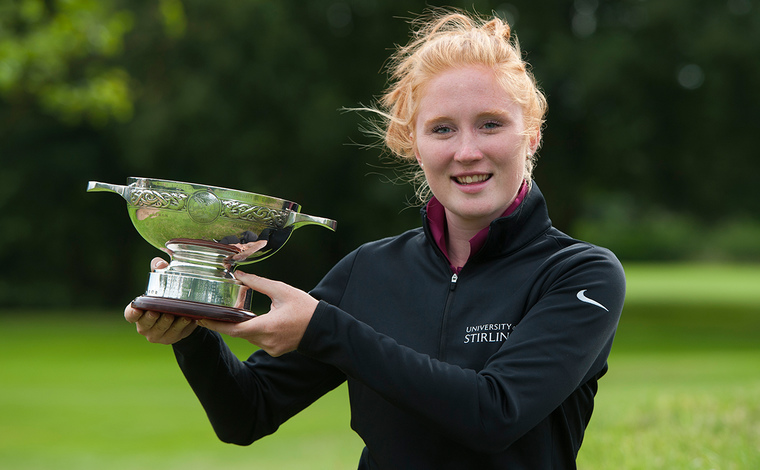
(196, 310)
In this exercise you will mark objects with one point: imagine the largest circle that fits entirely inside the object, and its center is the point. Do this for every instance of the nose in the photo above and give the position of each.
(469, 149)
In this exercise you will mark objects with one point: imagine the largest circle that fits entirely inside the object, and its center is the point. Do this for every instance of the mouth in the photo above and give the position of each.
(472, 179)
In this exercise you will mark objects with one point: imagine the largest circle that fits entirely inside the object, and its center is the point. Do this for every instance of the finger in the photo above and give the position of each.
(146, 322)
(177, 329)
(163, 324)
(189, 328)
(158, 332)
(164, 328)
(158, 263)
(131, 314)
(266, 286)
(227, 328)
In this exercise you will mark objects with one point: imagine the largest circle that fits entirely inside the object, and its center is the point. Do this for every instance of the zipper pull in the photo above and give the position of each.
(454, 279)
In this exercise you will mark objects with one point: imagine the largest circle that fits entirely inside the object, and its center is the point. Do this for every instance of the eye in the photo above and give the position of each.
(441, 129)
(490, 125)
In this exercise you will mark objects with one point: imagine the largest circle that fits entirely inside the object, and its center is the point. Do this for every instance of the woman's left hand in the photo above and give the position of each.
(279, 331)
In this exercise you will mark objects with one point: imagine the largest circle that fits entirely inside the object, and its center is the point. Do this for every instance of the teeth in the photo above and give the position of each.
(472, 179)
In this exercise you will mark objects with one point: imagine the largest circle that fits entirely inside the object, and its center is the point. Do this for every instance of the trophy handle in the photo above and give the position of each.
(95, 186)
(303, 219)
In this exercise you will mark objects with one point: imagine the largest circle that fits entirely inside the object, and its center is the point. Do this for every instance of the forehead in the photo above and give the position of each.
(465, 88)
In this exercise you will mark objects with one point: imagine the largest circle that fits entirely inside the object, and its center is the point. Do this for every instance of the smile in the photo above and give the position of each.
(470, 179)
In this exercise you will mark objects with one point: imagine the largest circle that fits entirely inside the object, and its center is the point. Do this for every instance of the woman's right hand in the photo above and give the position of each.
(162, 328)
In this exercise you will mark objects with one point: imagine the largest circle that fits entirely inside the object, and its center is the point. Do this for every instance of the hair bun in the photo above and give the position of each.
(498, 27)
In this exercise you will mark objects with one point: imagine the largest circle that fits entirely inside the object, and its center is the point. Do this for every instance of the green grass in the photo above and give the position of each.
(86, 392)
(677, 410)
(689, 284)
(683, 392)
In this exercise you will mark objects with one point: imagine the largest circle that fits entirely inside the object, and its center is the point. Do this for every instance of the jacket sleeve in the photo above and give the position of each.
(246, 400)
(560, 343)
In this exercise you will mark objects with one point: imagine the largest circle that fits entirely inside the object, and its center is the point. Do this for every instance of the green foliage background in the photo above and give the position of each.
(649, 147)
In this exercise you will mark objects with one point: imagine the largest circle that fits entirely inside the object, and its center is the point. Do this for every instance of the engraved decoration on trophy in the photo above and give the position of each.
(208, 232)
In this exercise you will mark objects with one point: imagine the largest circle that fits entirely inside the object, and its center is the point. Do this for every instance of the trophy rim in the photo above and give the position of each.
(163, 210)
(286, 203)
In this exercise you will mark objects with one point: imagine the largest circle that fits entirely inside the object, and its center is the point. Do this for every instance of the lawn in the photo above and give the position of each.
(84, 391)
(683, 391)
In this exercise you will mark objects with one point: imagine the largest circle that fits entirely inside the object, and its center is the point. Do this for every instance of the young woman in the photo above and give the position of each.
(474, 341)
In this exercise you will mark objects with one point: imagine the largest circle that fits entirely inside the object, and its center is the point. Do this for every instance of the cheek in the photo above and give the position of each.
(424, 152)
(511, 150)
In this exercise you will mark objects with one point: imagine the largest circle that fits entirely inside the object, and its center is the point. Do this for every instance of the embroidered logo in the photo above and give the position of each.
(582, 297)
(488, 333)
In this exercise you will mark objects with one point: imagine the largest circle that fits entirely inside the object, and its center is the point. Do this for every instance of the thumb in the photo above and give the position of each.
(268, 287)
(158, 263)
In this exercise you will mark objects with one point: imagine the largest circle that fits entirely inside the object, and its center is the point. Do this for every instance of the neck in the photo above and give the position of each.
(458, 242)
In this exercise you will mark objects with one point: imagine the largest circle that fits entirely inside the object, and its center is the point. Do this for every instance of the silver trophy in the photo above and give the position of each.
(208, 232)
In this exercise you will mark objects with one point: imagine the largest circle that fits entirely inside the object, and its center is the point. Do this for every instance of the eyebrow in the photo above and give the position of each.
(502, 113)
(495, 112)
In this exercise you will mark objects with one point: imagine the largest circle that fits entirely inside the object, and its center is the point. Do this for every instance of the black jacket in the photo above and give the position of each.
(494, 368)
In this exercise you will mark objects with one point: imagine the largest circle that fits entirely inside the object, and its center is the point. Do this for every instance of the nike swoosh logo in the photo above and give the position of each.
(582, 297)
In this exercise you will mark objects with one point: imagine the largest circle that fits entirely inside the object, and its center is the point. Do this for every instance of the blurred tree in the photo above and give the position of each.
(64, 86)
(57, 53)
(656, 99)
(651, 112)
(66, 55)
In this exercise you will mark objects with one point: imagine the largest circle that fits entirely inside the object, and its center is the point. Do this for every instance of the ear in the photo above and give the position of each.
(417, 156)
(533, 142)
(416, 152)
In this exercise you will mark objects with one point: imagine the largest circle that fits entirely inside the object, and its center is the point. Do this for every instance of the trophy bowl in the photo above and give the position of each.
(208, 232)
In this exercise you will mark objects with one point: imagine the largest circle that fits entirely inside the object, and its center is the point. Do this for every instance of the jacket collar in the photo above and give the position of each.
(510, 233)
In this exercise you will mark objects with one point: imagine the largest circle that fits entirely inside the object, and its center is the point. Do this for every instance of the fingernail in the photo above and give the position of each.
(240, 274)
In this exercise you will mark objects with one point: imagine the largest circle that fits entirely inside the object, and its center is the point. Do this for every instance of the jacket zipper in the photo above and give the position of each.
(453, 284)
(444, 320)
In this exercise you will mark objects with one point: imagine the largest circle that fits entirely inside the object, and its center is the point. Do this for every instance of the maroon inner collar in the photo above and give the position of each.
(436, 216)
